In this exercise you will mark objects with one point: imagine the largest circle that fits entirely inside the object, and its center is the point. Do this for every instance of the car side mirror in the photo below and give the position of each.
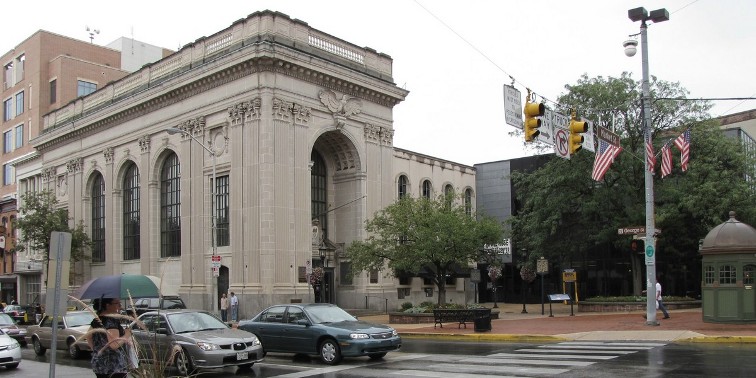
(162, 331)
(303, 322)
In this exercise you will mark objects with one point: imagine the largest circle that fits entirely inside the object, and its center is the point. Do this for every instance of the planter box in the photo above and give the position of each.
(423, 318)
(631, 306)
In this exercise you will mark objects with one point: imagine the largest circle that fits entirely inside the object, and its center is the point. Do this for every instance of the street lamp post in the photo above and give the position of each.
(213, 227)
(656, 16)
(323, 250)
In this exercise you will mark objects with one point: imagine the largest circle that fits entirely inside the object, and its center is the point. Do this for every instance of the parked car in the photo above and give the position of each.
(205, 341)
(71, 328)
(142, 305)
(17, 312)
(9, 326)
(320, 329)
(10, 351)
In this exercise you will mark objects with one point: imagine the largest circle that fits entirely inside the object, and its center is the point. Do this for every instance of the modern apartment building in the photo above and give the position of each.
(42, 73)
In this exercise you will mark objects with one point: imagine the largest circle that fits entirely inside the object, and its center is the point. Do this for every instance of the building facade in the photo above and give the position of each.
(42, 73)
(248, 155)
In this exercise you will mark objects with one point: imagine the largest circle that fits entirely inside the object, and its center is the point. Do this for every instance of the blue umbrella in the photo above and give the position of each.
(120, 286)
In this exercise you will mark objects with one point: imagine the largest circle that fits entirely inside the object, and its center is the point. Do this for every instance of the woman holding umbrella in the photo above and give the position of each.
(108, 340)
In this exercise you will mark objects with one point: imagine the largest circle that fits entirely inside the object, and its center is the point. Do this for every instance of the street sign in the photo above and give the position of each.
(561, 144)
(589, 137)
(650, 255)
(475, 275)
(550, 123)
(512, 107)
(604, 134)
(636, 230)
(542, 266)
(215, 263)
(569, 275)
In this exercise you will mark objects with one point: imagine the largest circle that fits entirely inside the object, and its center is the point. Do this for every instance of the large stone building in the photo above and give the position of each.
(44, 72)
(274, 134)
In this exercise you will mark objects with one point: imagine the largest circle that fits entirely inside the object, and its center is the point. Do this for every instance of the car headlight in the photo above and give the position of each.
(394, 333)
(255, 341)
(207, 346)
(14, 345)
(359, 336)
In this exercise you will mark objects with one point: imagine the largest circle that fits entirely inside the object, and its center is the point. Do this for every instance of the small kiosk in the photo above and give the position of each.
(728, 290)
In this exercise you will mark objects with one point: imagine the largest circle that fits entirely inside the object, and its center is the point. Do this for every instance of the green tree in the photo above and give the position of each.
(418, 233)
(565, 214)
(39, 216)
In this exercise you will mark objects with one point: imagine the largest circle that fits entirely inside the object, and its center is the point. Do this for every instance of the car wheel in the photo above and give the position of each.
(184, 363)
(39, 350)
(11, 366)
(73, 351)
(330, 352)
(377, 356)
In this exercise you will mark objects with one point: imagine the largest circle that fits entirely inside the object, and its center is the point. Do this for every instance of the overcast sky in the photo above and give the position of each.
(455, 56)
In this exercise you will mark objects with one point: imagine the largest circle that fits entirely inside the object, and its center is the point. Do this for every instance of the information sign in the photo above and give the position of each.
(512, 107)
(569, 275)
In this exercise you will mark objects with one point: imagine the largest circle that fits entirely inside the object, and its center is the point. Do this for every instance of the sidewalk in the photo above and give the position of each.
(512, 325)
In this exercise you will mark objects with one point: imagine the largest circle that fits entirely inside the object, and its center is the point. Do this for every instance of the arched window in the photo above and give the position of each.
(468, 201)
(131, 213)
(448, 194)
(170, 208)
(319, 198)
(402, 189)
(98, 219)
(426, 189)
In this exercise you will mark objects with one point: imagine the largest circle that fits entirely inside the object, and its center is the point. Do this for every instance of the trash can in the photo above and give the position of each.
(482, 319)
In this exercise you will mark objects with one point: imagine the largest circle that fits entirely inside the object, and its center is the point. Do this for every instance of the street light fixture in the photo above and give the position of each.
(213, 227)
(659, 15)
(323, 262)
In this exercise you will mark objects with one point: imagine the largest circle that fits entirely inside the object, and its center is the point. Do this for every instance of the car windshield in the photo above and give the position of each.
(9, 308)
(79, 319)
(329, 314)
(194, 321)
(5, 319)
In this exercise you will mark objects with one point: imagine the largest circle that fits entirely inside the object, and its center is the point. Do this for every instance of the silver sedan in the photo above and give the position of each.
(192, 340)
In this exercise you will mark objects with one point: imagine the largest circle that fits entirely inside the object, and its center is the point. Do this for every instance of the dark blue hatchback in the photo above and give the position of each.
(320, 329)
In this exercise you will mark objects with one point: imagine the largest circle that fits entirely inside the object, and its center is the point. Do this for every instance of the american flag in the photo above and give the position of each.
(650, 157)
(666, 153)
(683, 144)
(604, 158)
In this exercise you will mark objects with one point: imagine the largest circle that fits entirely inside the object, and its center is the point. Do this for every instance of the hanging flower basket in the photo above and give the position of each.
(494, 272)
(527, 274)
(316, 277)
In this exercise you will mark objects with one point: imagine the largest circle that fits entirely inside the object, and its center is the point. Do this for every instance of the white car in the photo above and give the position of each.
(10, 351)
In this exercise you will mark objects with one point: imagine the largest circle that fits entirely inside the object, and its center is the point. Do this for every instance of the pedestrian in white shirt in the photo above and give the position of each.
(234, 301)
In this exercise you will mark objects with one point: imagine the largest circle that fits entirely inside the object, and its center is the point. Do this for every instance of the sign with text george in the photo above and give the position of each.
(513, 107)
(605, 134)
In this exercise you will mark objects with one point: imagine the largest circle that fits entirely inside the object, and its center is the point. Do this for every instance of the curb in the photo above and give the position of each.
(481, 337)
(720, 339)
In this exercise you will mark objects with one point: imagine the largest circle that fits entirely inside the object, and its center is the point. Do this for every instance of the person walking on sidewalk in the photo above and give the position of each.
(234, 302)
(224, 308)
(659, 301)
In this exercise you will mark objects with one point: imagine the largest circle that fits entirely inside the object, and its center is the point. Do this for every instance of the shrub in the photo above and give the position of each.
(406, 305)
(428, 304)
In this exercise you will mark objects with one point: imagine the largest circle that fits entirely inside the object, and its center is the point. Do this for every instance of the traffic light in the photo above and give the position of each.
(532, 110)
(576, 140)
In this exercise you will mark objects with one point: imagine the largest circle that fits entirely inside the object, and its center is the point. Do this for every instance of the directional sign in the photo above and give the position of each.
(512, 106)
(550, 123)
(604, 134)
(649, 255)
(561, 145)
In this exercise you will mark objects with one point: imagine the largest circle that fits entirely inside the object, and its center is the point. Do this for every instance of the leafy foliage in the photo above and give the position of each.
(40, 215)
(565, 214)
(416, 235)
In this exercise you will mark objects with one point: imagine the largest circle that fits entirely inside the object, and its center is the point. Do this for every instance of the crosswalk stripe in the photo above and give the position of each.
(436, 374)
(576, 351)
(610, 343)
(551, 356)
(498, 361)
(595, 347)
(483, 369)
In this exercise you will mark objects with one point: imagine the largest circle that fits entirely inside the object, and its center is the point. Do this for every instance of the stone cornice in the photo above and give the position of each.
(204, 84)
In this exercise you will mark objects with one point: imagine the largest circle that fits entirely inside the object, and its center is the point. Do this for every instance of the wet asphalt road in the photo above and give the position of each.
(425, 358)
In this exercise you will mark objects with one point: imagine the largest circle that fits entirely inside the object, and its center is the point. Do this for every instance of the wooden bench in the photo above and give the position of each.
(459, 316)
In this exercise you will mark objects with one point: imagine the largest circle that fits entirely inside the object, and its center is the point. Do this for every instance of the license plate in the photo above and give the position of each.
(242, 356)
